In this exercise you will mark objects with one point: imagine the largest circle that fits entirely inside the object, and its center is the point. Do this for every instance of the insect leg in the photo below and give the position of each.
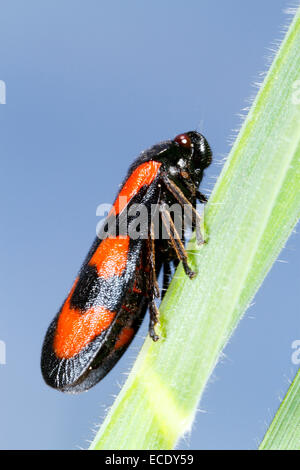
(153, 288)
(152, 262)
(154, 315)
(166, 277)
(178, 194)
(175, 239)
(201, 197)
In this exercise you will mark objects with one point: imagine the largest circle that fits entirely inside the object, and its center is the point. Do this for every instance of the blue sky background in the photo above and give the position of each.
(89, 85)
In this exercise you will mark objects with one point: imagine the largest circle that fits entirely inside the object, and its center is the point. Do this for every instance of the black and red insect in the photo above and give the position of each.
(118, 279)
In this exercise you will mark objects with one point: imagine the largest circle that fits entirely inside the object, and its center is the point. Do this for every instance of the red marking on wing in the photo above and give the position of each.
(75, 329)
(127, 309)
(136, 290)
(143, 175)
(111, 256)
(125, 336)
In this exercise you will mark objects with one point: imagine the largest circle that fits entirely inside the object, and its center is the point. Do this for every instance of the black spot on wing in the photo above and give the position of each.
(86, 290)
(92, 290)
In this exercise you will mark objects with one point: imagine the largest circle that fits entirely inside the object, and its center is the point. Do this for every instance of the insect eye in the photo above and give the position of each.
(183, 140)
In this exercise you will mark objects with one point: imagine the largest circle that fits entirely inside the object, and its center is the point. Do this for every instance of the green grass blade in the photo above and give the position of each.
(284, 432)
(252, 211)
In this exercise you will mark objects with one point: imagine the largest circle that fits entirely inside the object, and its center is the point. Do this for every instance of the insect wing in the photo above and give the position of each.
(91, 332)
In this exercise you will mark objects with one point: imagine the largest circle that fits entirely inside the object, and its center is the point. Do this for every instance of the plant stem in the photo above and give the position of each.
(284, 432)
